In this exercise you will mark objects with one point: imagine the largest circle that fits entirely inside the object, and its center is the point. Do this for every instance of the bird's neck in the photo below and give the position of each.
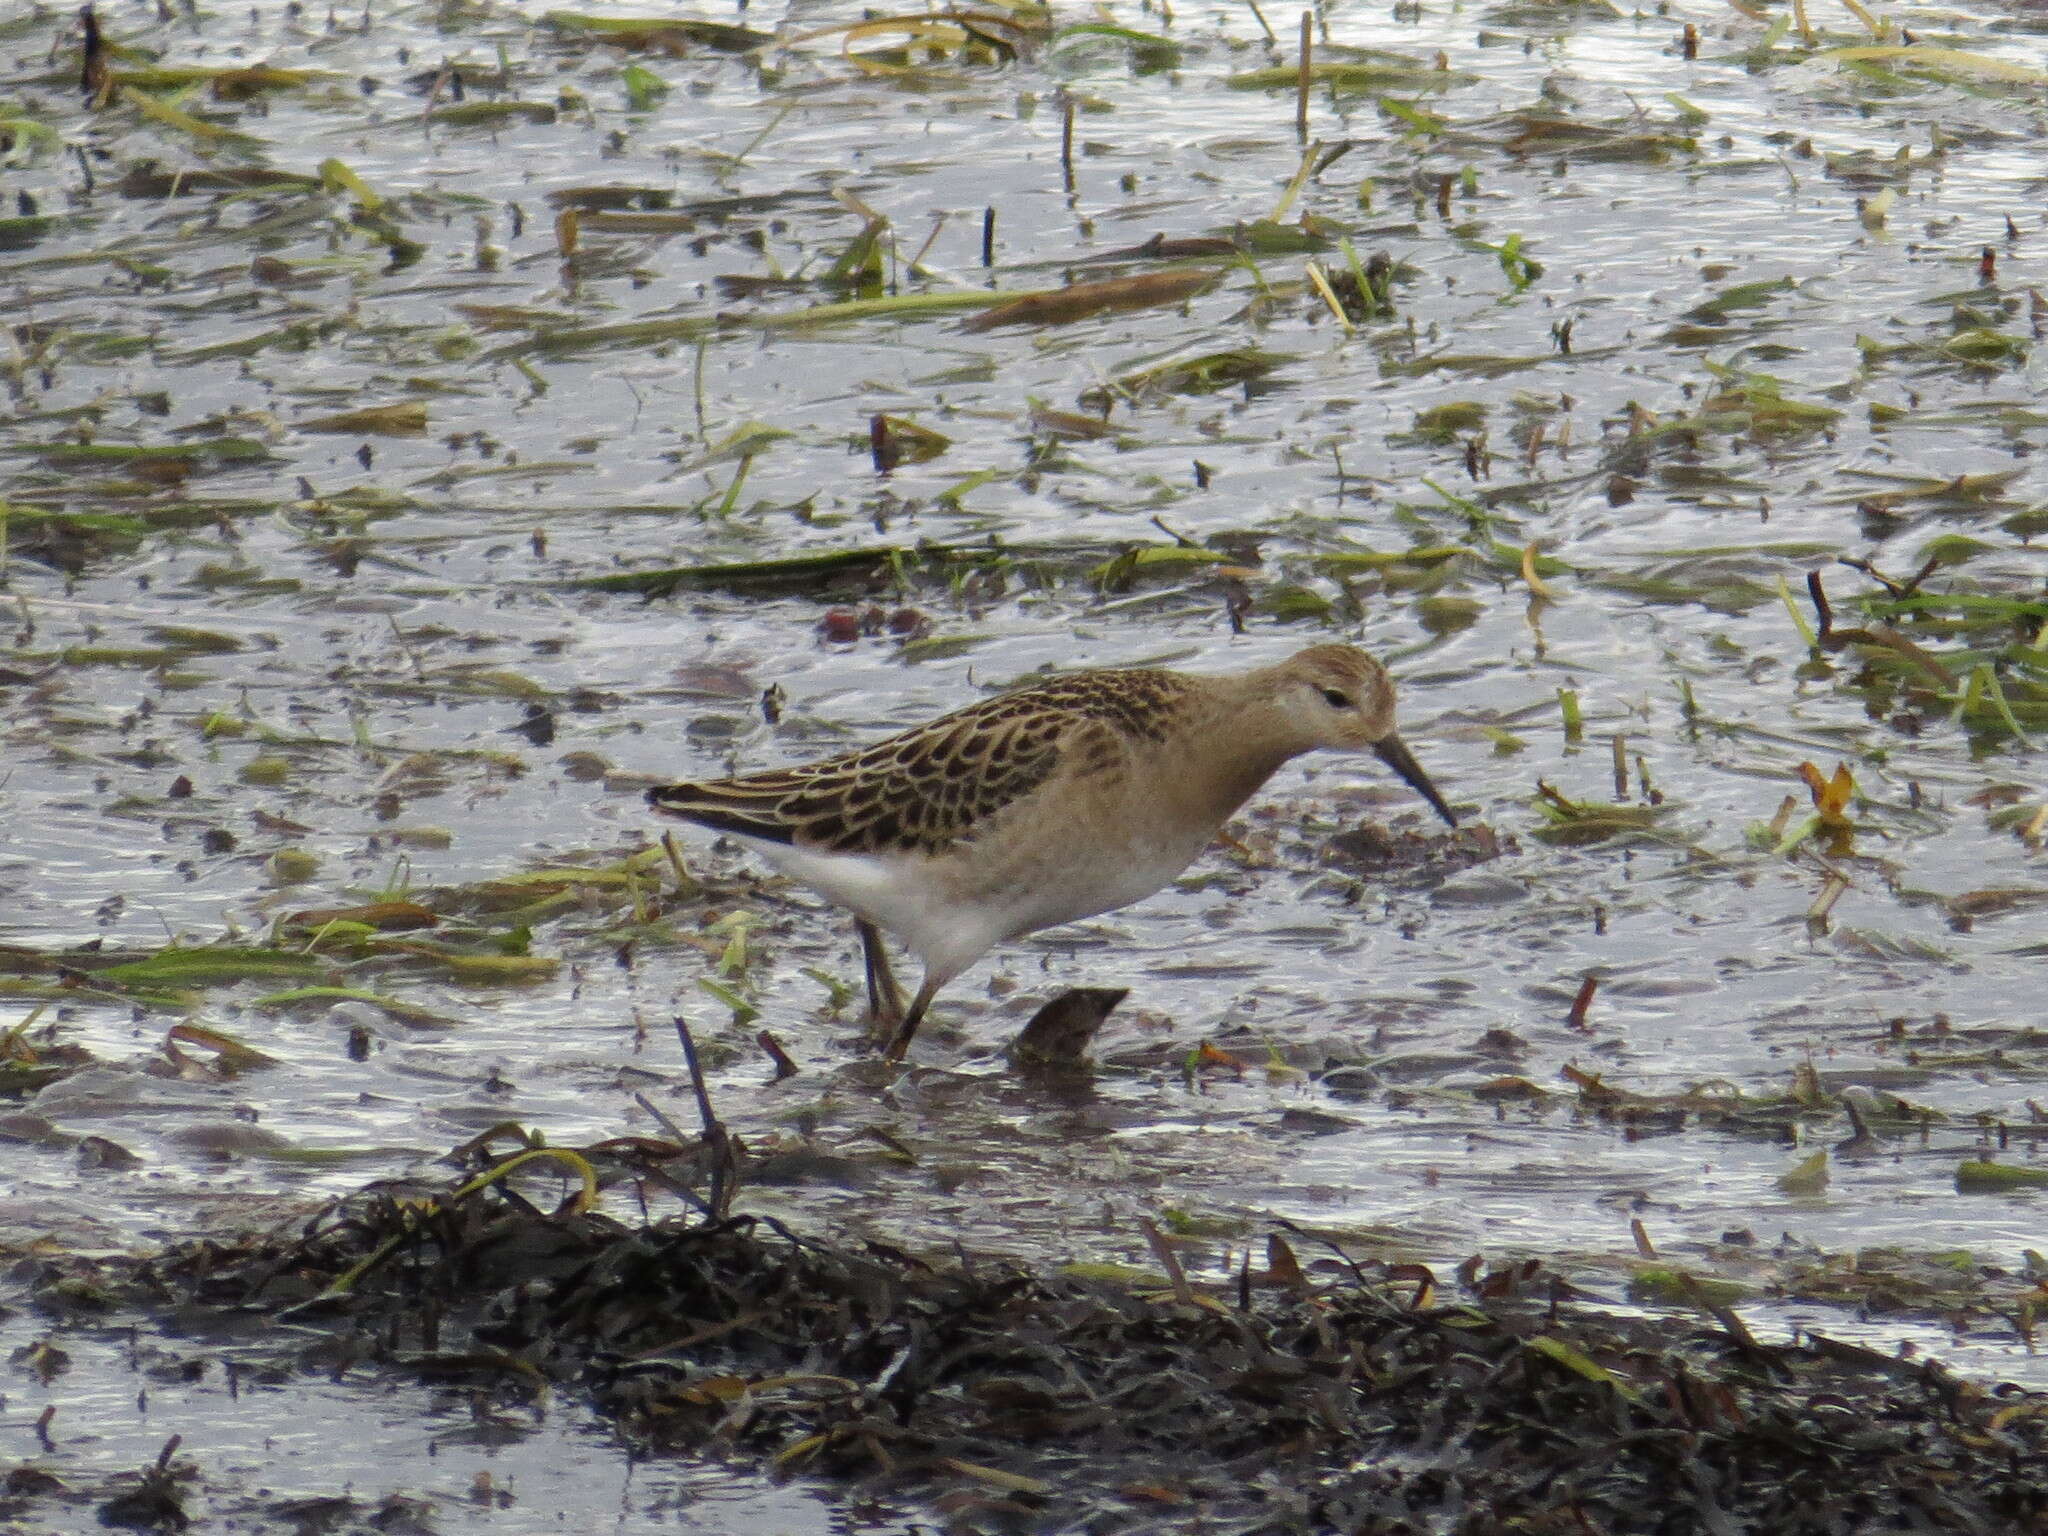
(1228, 791)
(1241, 750)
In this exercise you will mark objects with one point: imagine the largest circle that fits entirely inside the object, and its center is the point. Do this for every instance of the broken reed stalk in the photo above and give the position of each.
(784, 1067)
(761, 138)
(441, 83)
(670, 847)
(930, 240)
(1581, 1004)
(1321, 284)
(1305, 72)
(1831, 890)
(1067, 139)
(1822, 612)
(724, 1166)
(988, 235)
(1896, 589)
(1736, 1329)
(1292, 191)
(1568, 707)
(1168, 1261)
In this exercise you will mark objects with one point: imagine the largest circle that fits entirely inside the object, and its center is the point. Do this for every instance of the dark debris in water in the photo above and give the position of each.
(1308, 1397)
(1378, 850)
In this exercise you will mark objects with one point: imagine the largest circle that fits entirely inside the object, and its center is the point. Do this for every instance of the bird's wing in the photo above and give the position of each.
(938, 783)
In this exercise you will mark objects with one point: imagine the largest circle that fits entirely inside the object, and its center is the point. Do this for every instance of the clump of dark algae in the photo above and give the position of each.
(1318, 1395)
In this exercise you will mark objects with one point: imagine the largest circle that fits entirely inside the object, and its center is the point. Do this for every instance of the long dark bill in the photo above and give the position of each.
(1395, 754)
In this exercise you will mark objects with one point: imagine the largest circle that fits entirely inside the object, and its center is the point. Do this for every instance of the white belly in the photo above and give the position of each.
(900, 894)
(950, 911)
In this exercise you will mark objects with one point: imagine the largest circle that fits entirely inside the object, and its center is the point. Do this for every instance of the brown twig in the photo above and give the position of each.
(1829, 638)
(1168, 1261)
(1736, 1329)
(1576, 1019)
(1822, 612)
(1894, 589)
(784, 1067)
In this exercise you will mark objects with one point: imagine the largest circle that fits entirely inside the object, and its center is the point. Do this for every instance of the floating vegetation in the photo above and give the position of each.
(656, 34)
(1588, 821)
(1360, 70)
(1080, 301)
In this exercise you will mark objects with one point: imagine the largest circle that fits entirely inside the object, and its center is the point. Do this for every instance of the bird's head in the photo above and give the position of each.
(1336, 696)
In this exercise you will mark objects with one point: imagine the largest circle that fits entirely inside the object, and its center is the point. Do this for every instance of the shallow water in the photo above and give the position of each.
(384, 616)
(361, 1454)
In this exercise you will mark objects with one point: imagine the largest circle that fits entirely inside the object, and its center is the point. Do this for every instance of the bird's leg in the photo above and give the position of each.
(901, 1040)
(885, 998)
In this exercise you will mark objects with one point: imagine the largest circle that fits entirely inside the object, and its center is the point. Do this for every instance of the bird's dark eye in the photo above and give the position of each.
(1336, 698)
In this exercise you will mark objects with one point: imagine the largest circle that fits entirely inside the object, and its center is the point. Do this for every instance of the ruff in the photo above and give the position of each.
(1051, 803)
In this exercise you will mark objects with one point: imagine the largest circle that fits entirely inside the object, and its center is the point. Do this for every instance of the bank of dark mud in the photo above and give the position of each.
(1317, 1395)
